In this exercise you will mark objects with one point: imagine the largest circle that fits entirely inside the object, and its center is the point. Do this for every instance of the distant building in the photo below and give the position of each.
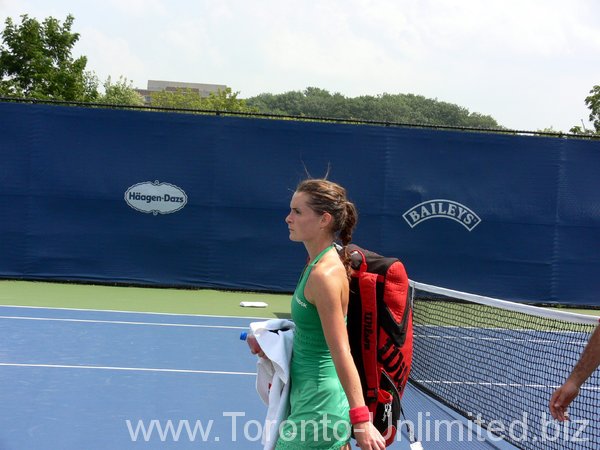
(159, 85)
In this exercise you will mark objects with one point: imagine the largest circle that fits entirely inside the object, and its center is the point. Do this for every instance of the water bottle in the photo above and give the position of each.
(253, 343)
(251, 340)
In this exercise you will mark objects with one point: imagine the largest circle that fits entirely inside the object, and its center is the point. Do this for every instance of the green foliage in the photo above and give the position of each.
(226, 100)
(592, 101)
(36, 62)
(121, 92)
(401, 108)
(549, 129)
(181, 98)
(223, 100)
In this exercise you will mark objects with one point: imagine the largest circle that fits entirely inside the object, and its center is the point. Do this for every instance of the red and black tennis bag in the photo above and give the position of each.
(380, 332)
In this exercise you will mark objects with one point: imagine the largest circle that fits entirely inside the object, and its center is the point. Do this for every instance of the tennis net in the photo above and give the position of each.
(497, 363)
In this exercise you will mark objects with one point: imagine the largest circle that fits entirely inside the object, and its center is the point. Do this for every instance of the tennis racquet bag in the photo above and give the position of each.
(380, 332)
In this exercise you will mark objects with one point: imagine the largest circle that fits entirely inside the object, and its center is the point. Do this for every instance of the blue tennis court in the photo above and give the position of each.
(76, 379)
(97, 380)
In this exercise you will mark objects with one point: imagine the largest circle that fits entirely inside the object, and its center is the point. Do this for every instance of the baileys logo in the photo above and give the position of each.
(155, 197)
(440, 208)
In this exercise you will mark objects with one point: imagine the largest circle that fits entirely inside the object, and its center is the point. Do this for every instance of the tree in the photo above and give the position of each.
(36, 62)
(288, 103)
(223, 100)
(226, 100)
(549, 129)
(592, 101)
(121, 93)
(180, 98)
(401, 108)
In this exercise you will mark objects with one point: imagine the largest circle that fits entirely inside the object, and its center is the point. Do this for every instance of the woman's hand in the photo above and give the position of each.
(254, 346)
(368, 437)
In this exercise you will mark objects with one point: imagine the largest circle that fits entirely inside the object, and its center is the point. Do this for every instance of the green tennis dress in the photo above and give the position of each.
(319, 411)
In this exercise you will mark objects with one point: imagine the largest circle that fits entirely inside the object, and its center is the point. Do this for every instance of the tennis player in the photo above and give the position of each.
(587, 364)
(325, 395)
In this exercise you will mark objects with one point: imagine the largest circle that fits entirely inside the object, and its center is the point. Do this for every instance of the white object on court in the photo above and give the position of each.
(254, 304)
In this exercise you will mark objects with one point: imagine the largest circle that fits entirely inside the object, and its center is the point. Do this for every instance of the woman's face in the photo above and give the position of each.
(303, 223)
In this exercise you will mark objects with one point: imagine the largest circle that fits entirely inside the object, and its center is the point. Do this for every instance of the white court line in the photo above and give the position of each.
(122, 322)
(476, 338)
(497, 329)
(483, 383)
(129, 369)
(52, 308)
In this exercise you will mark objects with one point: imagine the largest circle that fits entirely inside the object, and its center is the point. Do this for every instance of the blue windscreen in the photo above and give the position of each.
(195, 200)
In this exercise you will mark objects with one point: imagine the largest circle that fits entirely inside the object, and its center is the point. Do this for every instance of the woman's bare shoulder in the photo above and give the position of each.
(329, 267)
(329, 275)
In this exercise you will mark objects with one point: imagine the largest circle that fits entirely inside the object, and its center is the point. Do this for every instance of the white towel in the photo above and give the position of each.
(273, 373)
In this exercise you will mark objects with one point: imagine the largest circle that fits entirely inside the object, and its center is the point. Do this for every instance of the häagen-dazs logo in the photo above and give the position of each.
(440, 208)
(155, 197)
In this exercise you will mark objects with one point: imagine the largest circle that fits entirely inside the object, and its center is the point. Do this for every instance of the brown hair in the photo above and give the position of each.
(328, 197)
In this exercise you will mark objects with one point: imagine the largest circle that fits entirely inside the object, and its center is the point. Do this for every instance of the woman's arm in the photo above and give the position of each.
(325, 292)
(325, 289)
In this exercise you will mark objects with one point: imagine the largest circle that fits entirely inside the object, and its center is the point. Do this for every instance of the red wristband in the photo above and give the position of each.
(359, 414)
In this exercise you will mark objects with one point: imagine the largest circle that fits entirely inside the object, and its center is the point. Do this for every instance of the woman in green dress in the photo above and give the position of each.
(326, 395)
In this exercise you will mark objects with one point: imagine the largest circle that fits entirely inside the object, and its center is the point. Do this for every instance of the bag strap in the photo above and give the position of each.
(368, 291)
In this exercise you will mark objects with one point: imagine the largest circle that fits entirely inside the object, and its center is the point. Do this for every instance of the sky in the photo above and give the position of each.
(527, 63)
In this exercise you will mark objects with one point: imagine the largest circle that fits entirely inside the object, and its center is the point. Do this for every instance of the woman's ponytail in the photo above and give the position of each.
(345, 234)
(349, 222)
